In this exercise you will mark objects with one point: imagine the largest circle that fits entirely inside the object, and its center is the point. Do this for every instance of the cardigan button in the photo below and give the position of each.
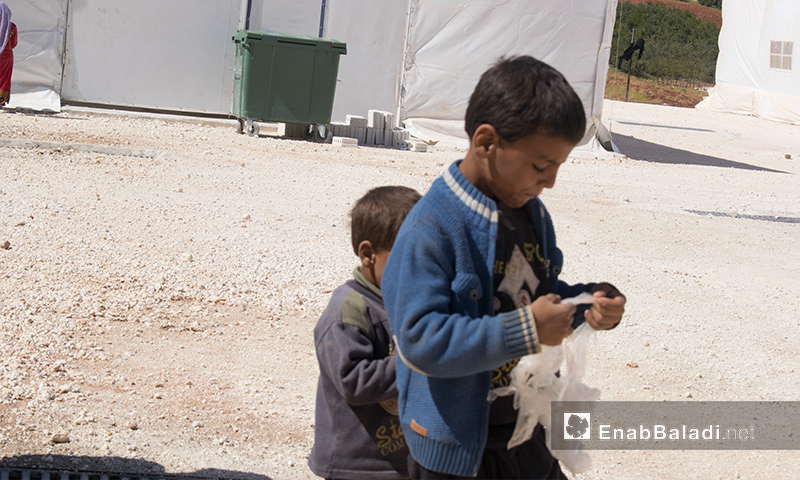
(474, 295)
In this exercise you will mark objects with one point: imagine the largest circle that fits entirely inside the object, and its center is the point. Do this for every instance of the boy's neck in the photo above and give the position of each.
(472, 169)
(366, 277)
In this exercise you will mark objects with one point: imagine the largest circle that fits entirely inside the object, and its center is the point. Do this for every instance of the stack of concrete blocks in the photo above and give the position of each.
(377, 129)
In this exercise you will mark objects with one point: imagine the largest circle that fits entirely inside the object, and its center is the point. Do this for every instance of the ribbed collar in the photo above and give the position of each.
(469, 194)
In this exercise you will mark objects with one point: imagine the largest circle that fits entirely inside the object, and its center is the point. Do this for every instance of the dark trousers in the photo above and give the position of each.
(531, 460)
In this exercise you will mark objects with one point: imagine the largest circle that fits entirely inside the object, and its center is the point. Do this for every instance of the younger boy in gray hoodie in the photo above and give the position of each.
(357, 432)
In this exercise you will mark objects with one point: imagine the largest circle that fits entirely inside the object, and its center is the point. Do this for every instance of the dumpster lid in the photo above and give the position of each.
(272, 38)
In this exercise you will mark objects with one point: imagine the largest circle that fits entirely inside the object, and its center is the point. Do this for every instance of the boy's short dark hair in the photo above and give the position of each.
(377, 216)
(522, 96)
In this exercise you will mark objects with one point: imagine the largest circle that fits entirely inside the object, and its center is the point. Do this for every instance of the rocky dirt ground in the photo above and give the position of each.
(160, 279)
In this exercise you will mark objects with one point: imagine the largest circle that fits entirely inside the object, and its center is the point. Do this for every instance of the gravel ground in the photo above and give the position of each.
(160, 279)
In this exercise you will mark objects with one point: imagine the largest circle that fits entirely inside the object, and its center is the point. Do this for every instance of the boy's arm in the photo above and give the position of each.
(417, 286)
(346, 355)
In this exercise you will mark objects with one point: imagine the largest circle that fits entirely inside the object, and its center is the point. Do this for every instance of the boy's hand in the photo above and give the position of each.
(553, 319)
(606, 312)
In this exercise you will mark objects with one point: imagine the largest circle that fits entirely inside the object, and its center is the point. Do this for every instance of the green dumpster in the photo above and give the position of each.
(279, 78)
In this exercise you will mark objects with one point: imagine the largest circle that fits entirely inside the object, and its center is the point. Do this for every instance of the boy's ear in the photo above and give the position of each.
(366, 253)
(485, 139)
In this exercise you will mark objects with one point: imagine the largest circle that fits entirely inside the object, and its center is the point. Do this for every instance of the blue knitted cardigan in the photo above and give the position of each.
(438, 291)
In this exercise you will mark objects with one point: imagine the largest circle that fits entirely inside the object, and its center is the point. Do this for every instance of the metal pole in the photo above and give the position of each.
(322, 19)
(247, 17)
(630, 62)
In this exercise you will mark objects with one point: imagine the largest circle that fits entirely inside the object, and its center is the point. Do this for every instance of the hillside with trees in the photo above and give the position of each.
(678, 46)
(678, 63)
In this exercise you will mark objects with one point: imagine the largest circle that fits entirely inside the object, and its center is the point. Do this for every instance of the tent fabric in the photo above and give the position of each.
(290, 17)
(369, 75)
(758, 72)
(419, 59)
(146, 54)
(36, 81)
(452, 42)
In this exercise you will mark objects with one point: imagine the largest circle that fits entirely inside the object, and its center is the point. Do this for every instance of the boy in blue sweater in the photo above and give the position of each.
(472, 282)
(357, 432)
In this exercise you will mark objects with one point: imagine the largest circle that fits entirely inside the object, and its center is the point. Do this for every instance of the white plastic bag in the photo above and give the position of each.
(535, 385)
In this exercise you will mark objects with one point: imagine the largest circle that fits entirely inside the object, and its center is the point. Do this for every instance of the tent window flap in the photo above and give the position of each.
(780, 55)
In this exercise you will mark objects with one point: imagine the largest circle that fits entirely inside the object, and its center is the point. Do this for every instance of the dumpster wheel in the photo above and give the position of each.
(251, 127)
(321, 133)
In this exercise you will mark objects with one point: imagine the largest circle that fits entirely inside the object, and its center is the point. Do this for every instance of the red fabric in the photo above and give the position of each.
(7, 61)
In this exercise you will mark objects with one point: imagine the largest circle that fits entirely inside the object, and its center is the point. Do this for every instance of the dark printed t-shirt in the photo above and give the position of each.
(519, 278)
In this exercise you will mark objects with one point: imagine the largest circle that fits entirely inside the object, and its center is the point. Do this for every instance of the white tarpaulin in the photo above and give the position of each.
(451, 43)
(369, 75)
(36, 80)
(418, 58)
(174, 55)
(290, 17)
(757, 71)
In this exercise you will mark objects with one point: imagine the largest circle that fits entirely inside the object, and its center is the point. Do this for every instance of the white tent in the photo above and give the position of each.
(755, 70)
(417, 58)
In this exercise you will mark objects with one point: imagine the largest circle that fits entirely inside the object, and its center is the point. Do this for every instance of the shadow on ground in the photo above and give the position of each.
(637, 149)
(54, 467)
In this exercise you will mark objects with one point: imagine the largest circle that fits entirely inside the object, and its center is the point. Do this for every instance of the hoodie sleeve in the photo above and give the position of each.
(346, 354)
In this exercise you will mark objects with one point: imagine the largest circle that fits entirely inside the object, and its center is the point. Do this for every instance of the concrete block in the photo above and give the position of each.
(397, 138)
(370, 136)
(416, 146)
(361, 135)
(375, 119)
(356, 121)
(379, 137)
(344, 142)
(338, 130)
(388, 119)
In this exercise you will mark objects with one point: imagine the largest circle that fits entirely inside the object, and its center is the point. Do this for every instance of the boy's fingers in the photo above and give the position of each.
(610, 303)
(608, 316)
(553, 297)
